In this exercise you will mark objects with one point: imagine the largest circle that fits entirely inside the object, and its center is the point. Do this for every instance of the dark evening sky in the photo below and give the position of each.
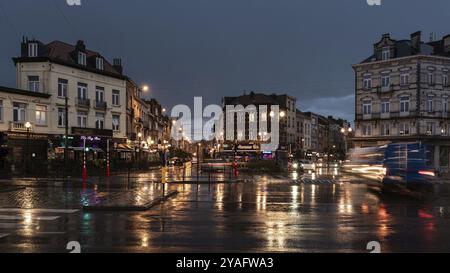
(214, 48)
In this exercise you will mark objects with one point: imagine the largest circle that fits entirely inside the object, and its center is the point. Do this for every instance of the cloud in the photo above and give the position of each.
(341, 107)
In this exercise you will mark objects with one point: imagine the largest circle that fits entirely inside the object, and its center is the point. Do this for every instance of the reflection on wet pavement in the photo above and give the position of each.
(270, 213)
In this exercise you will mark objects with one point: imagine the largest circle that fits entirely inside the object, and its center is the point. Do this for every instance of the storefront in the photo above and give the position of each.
(21, 149)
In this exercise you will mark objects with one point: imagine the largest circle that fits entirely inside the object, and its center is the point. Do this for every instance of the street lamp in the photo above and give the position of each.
(28, 126)
(139, 147)
(345, 132)
(198, 159)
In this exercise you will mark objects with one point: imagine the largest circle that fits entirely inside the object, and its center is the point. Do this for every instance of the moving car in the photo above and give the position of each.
(396, 165)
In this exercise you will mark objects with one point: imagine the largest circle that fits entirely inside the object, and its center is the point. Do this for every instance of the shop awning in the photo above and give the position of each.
(124, 148)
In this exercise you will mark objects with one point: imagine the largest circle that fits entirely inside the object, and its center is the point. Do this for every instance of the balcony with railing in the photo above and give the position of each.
(83, 102)
(18, 126)
(101, 105)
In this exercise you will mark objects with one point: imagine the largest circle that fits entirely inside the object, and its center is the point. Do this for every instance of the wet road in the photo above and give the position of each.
(311, 213)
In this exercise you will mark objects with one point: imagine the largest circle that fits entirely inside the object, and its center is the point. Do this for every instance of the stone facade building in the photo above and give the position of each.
(402, 95)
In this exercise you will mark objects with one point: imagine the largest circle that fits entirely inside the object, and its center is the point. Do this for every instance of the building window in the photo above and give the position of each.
(385, 107)
(1, 110)
(385, 80)
(367, 82)
(99, 120)
(116, 97)
(32, 50)
(115, 122)
(430, 128)
(404, 128)
(367, 107)
(385, 53)
(430, 104)
(82, 91)
(445, 79)
(99, 63)
(404, 105)
(367, 129)
(19, 112)
(385, 129)
(82, 119)
(99, 94)
(431, 79)
(61, 117)
(62, 88)
(33, 83)
(41, 115)
(445, 104)
(81, 58)
(404, 79)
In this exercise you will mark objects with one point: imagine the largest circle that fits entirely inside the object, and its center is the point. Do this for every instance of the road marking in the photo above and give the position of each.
(66, 211)
(51, 232)
(3, 235)
(22, 217)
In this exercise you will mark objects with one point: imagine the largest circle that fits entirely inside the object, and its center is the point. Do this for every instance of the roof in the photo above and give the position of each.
(63, 53)
(252, 99)
(24, 92)
(404, 48)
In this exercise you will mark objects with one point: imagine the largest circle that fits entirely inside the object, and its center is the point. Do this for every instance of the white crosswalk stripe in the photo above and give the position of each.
(14, 221)
(63, 211)
(23, 217)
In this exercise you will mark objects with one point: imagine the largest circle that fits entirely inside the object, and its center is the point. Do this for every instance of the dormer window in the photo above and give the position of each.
(32, 50)
(81, 58)
(99, 63)
(385, 53)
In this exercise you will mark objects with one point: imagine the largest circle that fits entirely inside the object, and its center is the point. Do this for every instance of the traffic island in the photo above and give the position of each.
(124, 203)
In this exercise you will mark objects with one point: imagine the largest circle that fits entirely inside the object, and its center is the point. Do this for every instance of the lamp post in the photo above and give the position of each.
(345, 132)
(27, 154)
(139, 148)
(198, 159)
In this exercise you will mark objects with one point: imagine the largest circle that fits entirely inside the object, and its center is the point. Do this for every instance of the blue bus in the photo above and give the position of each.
(393, 165)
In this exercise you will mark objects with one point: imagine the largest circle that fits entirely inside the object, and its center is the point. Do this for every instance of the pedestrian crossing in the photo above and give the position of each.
(315, 181)
(40, 221)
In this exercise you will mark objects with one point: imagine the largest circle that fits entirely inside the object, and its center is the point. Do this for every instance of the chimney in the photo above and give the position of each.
(415, 41)
(24, 47)
(80, 46)
(117, 64)
(446, 41)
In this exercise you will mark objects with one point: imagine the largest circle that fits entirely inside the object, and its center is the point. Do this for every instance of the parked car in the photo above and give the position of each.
(175, 162)
(307, 165)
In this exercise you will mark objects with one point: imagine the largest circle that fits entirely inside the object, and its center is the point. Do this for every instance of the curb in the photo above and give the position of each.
(212, 182)
(132, 208)
(11, 189)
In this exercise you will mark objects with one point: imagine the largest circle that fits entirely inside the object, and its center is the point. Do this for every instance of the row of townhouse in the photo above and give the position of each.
(319, 136)
(69, 89)
(304, 133)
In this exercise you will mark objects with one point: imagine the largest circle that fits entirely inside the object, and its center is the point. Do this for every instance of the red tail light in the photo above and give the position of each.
(429, 173)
